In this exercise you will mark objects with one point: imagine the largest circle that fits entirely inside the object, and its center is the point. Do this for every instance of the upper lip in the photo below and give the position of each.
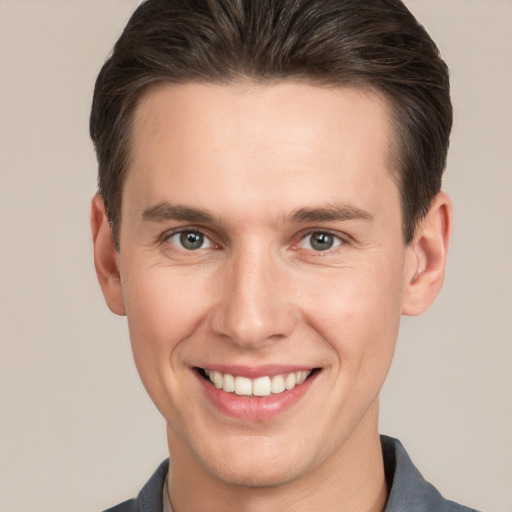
(253, 372)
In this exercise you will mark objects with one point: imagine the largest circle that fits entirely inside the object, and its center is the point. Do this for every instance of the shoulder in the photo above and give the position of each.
(126, 506)
(149, 498)
(408, 489)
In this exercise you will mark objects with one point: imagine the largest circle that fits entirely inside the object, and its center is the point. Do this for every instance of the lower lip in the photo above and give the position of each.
(260, 408)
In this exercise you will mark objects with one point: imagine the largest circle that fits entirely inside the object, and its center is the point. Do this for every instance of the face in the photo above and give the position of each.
(263, 271)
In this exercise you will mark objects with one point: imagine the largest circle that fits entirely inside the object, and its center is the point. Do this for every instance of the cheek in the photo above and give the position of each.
(162, 309)
(358, 313)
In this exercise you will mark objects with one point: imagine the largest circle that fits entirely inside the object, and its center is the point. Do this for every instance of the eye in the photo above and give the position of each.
(190, 240)
(320, 241)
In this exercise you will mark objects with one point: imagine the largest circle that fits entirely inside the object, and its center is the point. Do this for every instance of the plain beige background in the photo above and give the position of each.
(77, 432)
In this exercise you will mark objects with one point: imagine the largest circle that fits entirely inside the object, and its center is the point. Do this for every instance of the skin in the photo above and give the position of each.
(269, 164)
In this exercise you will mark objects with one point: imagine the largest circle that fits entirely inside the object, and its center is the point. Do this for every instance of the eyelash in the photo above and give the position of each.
(167, 237)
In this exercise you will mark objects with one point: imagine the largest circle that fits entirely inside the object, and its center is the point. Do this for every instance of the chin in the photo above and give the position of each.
(256, 475)
(255, 466)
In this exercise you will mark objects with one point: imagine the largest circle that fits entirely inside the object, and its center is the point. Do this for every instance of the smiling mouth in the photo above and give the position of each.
(258, 387)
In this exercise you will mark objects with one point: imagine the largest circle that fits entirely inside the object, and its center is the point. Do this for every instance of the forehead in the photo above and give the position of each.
(263, 110)
(263, 142)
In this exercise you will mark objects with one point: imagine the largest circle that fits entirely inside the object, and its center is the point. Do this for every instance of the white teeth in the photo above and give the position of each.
(290, 381)
(229, 383)
(261, 386)
(217, 379)
(277, 384)
(243, 386)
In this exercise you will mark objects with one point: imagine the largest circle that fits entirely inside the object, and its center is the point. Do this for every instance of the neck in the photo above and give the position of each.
(352, 480)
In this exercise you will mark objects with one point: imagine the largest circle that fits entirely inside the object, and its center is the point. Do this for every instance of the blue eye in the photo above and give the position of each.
(190, 240)
(320, 241)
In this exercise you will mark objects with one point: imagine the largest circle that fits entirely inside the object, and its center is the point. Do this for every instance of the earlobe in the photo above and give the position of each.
(427, 257)
(106, 257)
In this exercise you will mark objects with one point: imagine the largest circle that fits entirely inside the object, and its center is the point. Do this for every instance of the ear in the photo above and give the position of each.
(106, 257)
(427, 257)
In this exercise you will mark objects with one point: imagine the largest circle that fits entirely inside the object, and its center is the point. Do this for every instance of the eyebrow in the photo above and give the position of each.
(331, 213)
(165, 211)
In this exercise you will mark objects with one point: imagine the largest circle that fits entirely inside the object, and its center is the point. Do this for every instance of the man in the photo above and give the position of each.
(269, 206)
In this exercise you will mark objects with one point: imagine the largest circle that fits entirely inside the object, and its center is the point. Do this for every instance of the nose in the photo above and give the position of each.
(255, 303)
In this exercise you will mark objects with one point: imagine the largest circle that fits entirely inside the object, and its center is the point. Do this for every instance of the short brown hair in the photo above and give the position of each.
(365, 43)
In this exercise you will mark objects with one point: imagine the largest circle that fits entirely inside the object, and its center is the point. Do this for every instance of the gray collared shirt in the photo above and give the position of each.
(409, 491)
